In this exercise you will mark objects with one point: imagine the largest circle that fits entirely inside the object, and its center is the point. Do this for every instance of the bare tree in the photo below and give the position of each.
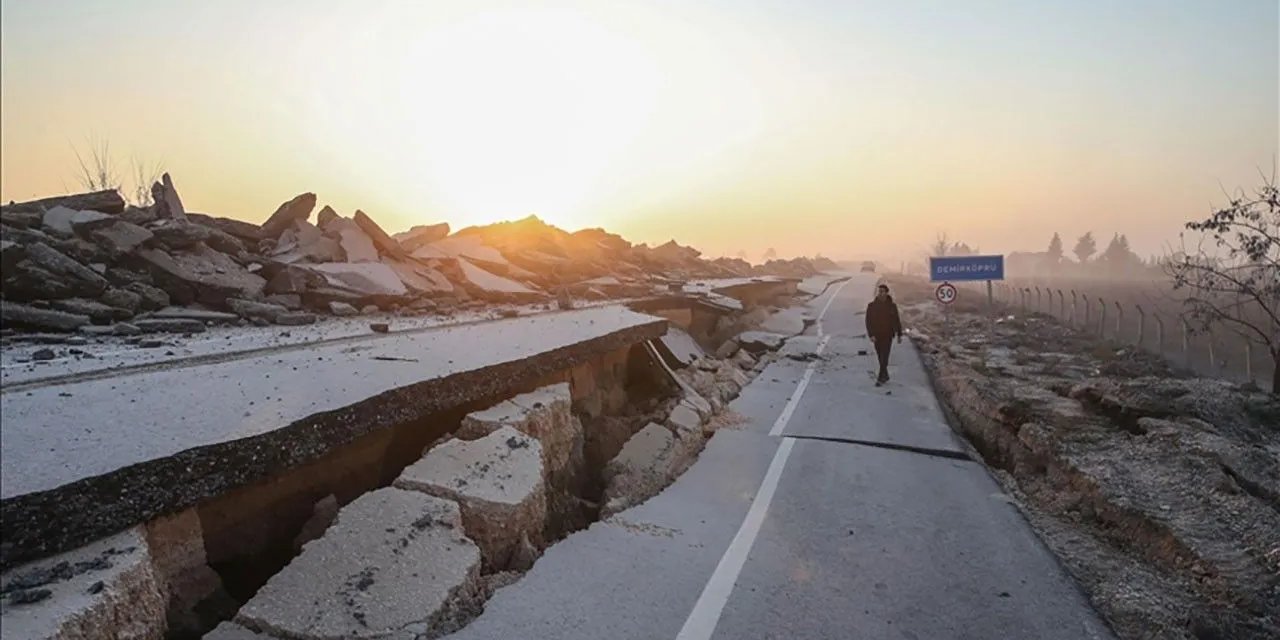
(97, 168)
(941, 246)
(144, 175)
(1232, 276)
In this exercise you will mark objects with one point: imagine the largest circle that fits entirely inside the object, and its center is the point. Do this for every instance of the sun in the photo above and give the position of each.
(498, 114)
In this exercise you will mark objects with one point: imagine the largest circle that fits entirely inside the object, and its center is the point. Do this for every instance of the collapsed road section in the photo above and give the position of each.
(160, 498)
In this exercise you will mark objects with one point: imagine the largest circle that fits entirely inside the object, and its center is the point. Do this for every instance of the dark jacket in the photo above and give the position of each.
(882, 319)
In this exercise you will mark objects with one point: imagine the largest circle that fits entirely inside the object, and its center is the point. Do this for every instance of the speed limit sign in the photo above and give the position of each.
(946, 293)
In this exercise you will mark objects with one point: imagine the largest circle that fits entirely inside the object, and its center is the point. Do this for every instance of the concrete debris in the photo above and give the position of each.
(106, 201)
(646, 464)
(107, 589)
(543, 414)
(78, 246)
(364, 279)
(422, 234)
(256, 310)
(169, 325)
(499, 483)
(98, 312)
(394, 563)
(342, 309)
(386, 244)
(167, 203)
(295, 318)
(21, 316)
(757, 342)
(379, 327)
(299, 208)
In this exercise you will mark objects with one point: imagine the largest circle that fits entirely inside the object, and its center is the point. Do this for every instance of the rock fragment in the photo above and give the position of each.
(299, 208)
(497, 481)
(21, 316)
(394, 562)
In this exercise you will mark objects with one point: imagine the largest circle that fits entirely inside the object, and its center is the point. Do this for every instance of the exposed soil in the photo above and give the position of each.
(1158, 491)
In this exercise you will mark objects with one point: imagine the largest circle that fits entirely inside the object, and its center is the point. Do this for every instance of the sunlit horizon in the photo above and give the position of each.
(819, 128)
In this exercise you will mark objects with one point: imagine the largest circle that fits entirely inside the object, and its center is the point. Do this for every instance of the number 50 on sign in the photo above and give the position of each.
(946, 293)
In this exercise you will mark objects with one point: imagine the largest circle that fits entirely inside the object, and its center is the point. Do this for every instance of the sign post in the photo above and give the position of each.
(946, 269)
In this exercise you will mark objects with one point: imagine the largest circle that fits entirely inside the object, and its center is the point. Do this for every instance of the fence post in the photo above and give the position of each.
(1073, 309)
(1186, 343)
(1088, 311)
(1142, 324)
(1159, 332)
(1248, 360)
(1039, 307)
(1102, 318)
(1062, 305)
(1119, 321)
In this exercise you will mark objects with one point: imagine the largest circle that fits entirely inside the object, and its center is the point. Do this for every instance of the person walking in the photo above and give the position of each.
(883, 325)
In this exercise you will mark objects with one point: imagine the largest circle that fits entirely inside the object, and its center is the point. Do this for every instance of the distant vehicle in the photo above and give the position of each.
(869, 267)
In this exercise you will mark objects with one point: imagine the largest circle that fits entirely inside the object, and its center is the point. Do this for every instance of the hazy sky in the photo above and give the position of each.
(846, 128)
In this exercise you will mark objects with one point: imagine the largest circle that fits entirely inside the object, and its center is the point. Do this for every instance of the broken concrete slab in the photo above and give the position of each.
(122, 299)
(151, 297)
(295, 318)
(386, 244)
(69, 476)
(179, 234)
(106, 201)
(167, 203)
(645, 465)
(491, 286)
(193, 313)
(119, 237)
(420, 279)
(545, 414)
(355, 243)
(78, 278)
(342, 309)
(304, 242)
(201, 275)
(299, 208)
(422, 234)
(679, 348)
(365, 279)
(98, 312)
(757, 342)
(169, 325)
(394, 563)
(251, 309)
(21, 316)
(106, 589)
(468, 247)
(499, 483)
(62, 220)
(246, 231)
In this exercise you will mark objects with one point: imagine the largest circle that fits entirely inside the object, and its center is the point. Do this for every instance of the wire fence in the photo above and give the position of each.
(1143, 314)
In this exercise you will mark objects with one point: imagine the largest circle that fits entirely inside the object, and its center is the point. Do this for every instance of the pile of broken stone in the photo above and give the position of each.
(91, 263)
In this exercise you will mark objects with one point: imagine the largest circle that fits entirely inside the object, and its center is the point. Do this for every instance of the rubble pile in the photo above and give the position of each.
(1159, 492)
(91, 260)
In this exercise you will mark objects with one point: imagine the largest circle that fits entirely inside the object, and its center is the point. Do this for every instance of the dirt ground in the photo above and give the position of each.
(1159, 492)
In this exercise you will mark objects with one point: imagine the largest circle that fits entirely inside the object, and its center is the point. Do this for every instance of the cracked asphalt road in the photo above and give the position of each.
(860, 517)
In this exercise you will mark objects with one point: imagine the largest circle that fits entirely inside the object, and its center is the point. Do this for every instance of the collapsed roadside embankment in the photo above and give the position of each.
(1159, 492)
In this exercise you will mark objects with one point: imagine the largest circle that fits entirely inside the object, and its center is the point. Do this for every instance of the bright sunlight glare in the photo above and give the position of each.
(497, 115)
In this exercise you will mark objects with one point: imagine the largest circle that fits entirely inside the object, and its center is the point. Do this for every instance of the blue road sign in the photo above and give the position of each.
(956, 268)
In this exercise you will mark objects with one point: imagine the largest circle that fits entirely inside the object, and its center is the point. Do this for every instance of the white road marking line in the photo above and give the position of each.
(702, 621)
(785, 416)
